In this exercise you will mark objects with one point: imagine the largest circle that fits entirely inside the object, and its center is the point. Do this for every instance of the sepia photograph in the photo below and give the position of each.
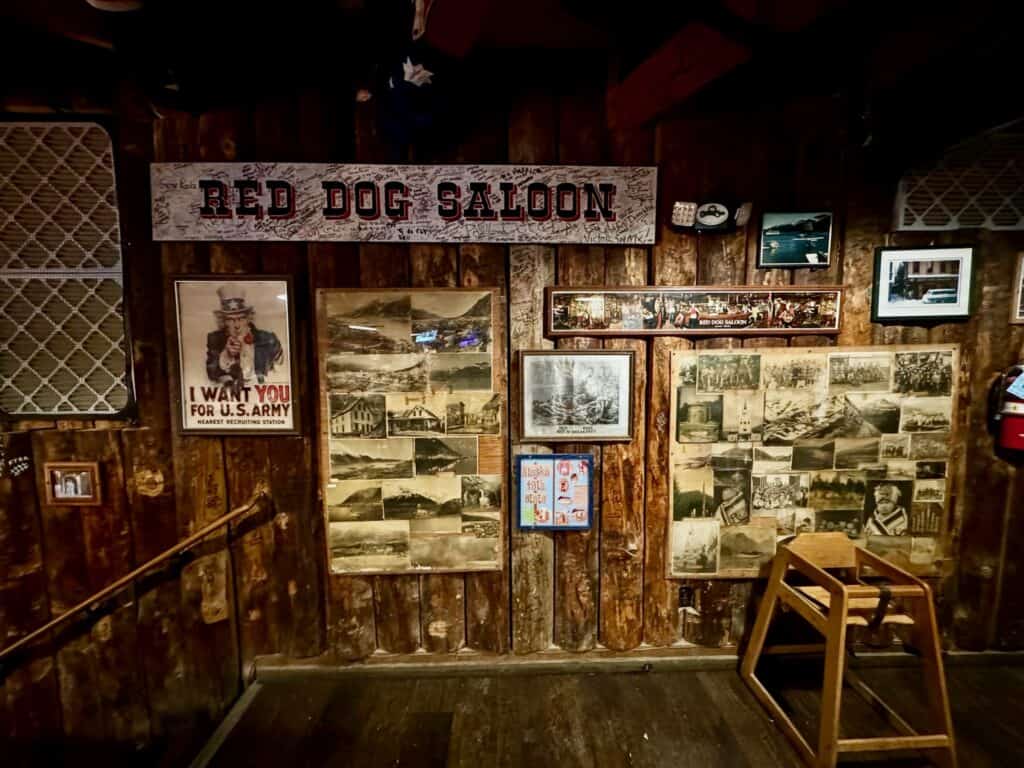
(452, 321)
(837, 490)
(813, 455)
(732, 456)
(699, 418)
(728, 371)
(848, 521)
(422, 498)
(743, 415)
(371, 459)
(448, 552)
(72, 483)
(357, 416)
(369, 323)
(924, 374)
(930, 490)
(924, 550)
(686, 373)
(456, 372)
(772, 458)
(789, 416)
(930, 470)
(376, 373)
(376, 546)
(921, 284)
(746, 547)
(877, 413)
(693, 492)
(771, 492)
(795, 372)
(925, 519)
(804, 520)
(891, 547)
(416, 415)
(446, 455)
(795, 240)
(694, 547)
(473, 414)
(894, 446)
(576, 395)
(886, 503)
(731, 502)
(692, 455)
(900, 469)
(929, 446)
(851, 453)
(927, 414)
(354, 501)
(860, 371)
(481, 506)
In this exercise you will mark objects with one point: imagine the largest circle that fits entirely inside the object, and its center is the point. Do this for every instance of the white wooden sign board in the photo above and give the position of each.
(404, 203)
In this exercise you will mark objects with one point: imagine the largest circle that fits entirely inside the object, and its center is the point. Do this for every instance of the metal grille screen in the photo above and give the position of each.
(62, 341)
(979, 184)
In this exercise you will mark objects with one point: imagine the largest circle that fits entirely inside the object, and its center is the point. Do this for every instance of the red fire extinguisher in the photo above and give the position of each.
(1006, 415)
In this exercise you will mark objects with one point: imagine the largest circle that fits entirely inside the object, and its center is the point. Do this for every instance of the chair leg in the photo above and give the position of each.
(763, 620)
(941, 719)
(832, 689)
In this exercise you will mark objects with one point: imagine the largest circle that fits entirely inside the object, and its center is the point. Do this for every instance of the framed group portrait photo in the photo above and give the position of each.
(236, 354)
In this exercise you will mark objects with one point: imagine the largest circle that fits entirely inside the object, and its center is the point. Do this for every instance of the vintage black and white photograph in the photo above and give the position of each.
(848, 521)
(459, 372)
(235, 355)
(771, 492)
(686, 373)
(368, 546)
(371, 459)
(886, 503)
(795, 240)
(875, 413)
(851, 453)
(837, 490)
(448, 552)
(793, 372)
(895, 548)
(813, 454)
(699, 418)
(731, 502)
(416, 415)
(348, 373)
(790, 415)
(732, 456)
(473, 414)
(716, 373)
(900, 470)
(446, 455)
(423, 499)
(354, 501)
(569, 396)
(693, 492)
(481, 506)
(694, 546)
(75, 483)
(925, 374)
(925, 519)
(927, 414)
(369, 323)
(456, 321)
(746, 547)
(804, 520)
(922, 284)
(357, 416)
(924, 550)
(772, 458)
(1017, 302)
(860, 372)
(894, 446)
(930, 470)
(742, 415)
(930, 490)
(927, 445)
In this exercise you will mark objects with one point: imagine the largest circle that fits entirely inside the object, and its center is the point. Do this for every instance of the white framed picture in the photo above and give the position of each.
(923, 284)
(1017, 306)
(582, 395)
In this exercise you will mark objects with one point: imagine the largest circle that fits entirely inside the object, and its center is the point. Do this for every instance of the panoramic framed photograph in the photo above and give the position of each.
(235, 354)
(73, 483)
(1017, 305)
(554, 491)
(579, 395)
(922, 284)
(693, 311)
(800, 239)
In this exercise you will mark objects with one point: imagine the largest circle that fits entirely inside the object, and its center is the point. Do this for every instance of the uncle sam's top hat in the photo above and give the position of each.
(232, 301)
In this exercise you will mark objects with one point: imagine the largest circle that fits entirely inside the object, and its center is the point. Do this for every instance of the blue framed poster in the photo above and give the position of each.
(554, 491)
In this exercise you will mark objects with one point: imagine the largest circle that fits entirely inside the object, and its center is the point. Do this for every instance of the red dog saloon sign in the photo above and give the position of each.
(404, 203)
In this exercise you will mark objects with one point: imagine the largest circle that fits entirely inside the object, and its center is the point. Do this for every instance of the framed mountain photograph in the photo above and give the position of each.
(922, 284)
(801, 239)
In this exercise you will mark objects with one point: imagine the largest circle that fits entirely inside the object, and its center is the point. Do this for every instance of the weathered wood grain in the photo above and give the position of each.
(674, 256)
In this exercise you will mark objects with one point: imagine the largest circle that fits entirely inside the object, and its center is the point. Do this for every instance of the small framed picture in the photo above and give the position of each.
(578, 396)
(73, 483)
(1017, 306)
(922, 284)
(790, 240)
(554, 491)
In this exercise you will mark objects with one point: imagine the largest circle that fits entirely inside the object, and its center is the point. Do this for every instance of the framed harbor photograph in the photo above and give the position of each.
(554, 491)
(801, 239)
(569, 396)
(922, 284)
(693, 311)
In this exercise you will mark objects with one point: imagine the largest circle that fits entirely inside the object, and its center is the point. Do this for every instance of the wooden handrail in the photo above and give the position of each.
(260, 495)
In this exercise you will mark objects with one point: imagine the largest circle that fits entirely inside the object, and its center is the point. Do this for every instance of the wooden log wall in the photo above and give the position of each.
(158, 667)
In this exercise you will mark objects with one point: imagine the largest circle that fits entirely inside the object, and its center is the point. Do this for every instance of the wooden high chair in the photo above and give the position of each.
(830, 606)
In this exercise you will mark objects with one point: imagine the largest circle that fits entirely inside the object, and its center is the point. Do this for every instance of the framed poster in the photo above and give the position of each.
(769, 443)
(73, 483)
(1017, 305)
(412, 420)
(554, 491)
(569, 396)
(693, 311)
(236, 360)
(922, 284)
(801, 239)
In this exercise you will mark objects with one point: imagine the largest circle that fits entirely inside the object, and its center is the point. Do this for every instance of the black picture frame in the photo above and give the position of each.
(765, 246)
(928, 282)
(554, 458)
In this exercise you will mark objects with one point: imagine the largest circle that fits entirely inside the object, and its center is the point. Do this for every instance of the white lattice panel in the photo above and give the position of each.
(979, 184)
(61, 313)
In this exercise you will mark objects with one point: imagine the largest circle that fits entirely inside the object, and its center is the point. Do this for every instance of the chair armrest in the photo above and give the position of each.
(884, 567)
(818, 575)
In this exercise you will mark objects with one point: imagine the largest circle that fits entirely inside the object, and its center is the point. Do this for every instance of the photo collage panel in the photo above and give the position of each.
(771, 443)
(413, 457)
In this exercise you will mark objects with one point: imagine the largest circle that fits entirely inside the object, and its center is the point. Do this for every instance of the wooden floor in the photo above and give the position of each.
(673, 719)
